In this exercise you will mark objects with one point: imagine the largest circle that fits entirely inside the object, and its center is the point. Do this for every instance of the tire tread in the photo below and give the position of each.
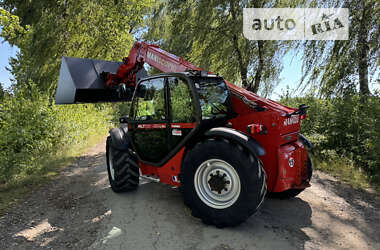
(126, 169)
(246, 207)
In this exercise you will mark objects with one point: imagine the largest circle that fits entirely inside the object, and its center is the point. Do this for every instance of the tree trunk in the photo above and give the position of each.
(242, 67)
(363, 53)
(256, 86)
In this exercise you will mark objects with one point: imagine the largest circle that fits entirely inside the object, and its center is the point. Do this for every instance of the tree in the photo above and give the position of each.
(89, 29)
(209, 34)
(2, 92)
(336, 65)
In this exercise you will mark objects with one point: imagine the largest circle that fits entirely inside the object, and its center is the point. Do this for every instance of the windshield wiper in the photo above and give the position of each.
(301, 110)
(218, 109)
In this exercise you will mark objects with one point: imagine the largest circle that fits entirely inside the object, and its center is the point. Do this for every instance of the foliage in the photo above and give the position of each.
(182, 106)
(11, 27)
(345, 170)
(31, 127)
(344, 127)
(32, 130)
(89, 29)
(2, 92)
(333, 66)
(149, 104)
(209, 34)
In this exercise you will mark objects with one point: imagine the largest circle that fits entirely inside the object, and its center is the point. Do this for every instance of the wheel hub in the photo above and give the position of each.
(218, 182)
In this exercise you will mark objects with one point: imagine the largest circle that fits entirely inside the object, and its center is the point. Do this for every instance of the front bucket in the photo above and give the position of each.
(79, 81)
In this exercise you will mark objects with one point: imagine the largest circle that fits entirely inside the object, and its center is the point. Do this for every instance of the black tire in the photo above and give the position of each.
(291, 193)
(252, 179)
(126, 172)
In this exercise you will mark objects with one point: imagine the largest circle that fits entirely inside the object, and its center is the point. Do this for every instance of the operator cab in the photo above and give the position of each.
(169, 109)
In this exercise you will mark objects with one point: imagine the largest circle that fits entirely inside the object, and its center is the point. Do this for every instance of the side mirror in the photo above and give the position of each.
(141, 91)
(302, 109)
(124, 119)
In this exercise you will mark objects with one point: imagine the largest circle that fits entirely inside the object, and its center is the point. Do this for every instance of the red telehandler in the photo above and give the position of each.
(223, 146)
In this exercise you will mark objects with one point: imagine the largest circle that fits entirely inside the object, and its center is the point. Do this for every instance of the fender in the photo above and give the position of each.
(251, 144)
(119, 138)
(305, 141)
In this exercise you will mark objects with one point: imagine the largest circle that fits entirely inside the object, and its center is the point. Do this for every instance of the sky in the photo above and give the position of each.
(6, 51)
(290, 75)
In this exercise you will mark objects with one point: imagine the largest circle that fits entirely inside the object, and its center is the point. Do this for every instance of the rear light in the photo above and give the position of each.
(256, 129)
(303, 117)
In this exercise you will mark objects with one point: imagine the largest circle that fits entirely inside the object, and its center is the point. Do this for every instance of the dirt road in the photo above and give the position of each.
(80, 211)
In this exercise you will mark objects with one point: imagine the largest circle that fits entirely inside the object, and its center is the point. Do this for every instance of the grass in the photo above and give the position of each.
(22, 185)
(344, 170)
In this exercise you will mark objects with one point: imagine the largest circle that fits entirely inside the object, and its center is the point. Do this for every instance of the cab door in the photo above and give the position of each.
(149, 123)
(183, 112)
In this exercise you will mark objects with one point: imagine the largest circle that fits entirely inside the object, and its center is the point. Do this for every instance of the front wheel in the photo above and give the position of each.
(223, 184)
(122, 167)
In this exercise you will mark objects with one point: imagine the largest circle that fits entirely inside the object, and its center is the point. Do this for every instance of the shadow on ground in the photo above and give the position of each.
(355, 207)
(79, 211)
(154, 217)
(65, 213)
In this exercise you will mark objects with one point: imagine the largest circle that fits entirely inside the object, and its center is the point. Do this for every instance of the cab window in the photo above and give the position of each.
(182, 105)
(213, 97)
(149, 102)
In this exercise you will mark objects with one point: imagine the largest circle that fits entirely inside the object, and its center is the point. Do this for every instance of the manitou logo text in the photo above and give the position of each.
(292, 120)
(161, 61)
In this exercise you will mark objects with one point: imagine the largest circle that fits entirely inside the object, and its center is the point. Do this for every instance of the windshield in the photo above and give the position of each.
(213, 97)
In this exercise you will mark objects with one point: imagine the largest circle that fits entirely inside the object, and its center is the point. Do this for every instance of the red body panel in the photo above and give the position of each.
(280, 142)
(291, 176)
(169, 172)
(277, 134)
(183, 125)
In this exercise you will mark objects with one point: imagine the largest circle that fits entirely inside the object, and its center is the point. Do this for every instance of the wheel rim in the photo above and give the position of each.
(110, 163)
(217, 183)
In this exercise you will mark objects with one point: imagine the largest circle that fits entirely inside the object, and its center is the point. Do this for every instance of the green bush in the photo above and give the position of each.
(344, 126)
(31, 129)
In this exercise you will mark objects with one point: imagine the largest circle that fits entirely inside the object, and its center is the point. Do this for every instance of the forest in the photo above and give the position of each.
(340, 79)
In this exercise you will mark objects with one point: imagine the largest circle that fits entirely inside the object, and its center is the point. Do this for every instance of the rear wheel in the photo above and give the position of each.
(122, 167)
(223, 184)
